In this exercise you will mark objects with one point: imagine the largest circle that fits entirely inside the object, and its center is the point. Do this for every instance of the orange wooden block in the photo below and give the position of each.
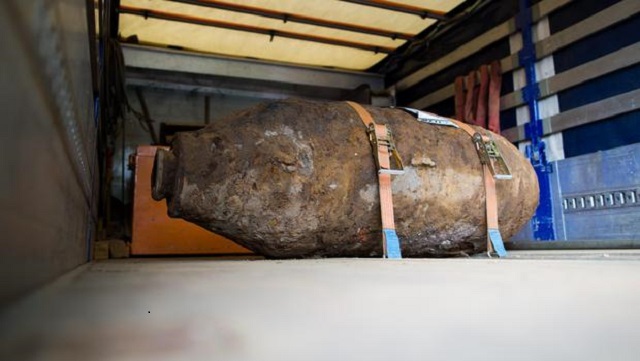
(154, 233)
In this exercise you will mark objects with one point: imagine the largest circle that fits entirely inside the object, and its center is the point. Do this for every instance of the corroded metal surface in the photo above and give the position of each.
(297, 178)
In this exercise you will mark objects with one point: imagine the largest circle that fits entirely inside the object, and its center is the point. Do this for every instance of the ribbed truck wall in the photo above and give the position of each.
(47, 143)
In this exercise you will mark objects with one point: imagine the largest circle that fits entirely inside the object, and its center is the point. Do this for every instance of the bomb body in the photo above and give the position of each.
(297, 178)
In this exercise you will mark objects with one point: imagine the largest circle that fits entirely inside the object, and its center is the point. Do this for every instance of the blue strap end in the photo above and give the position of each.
(391, 244)
(496, 242)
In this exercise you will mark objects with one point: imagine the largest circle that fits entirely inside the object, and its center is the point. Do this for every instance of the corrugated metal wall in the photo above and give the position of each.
(47, 142)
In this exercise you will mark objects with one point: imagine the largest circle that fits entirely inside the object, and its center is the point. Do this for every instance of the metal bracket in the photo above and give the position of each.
(391, 244)
(542, 222)
(496, 241)
(386, 141)
(530, 93)
(429, 118)
(489, 154)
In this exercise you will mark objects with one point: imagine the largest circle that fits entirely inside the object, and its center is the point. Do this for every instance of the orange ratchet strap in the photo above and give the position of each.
(383, 150)
(493, 167)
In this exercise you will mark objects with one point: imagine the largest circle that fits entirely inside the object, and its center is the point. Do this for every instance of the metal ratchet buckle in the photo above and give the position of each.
(393, 151)
(489, 154)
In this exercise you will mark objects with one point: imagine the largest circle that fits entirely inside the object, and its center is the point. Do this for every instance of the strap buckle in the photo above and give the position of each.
(489, 154)
(495, 240)
(391, 244)
(385, 139)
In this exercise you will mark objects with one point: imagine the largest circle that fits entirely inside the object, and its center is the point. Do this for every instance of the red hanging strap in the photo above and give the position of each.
(494, 97)
(481, 109)
(470, 101)
(459, 98)
(384, 150)
(480, 105)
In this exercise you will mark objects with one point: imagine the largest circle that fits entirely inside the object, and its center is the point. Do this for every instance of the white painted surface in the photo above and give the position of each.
(334, 309)
(554, 146)
(547, 107)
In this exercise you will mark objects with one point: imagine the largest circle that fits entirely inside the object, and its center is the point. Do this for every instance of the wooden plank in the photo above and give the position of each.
(620, 59)
(590, 113)
(514, 134)
(594, 112)
(118, 248)
(544, 8)
(610, 16)
(100, 250)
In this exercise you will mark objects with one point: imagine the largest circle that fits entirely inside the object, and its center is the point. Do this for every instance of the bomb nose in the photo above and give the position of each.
(163, 175)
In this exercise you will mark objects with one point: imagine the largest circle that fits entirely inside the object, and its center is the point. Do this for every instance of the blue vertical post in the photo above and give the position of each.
(542, 222)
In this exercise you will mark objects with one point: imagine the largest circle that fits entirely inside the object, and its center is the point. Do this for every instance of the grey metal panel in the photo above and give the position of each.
(187, 88)
(600, 172)
(216, 84)
(614, 169)
(187, 62)
(616, 225)
(45, 213)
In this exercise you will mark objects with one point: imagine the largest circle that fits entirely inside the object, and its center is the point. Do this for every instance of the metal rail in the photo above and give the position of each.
(297, 18)
(402, 8)
(188, 71)
(573, 245)
(173, 61)
(272, 33)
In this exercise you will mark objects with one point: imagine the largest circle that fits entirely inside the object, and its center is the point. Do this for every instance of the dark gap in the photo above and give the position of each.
(607, 134)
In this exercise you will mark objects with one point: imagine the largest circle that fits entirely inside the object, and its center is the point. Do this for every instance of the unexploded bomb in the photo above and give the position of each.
(297, 178)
